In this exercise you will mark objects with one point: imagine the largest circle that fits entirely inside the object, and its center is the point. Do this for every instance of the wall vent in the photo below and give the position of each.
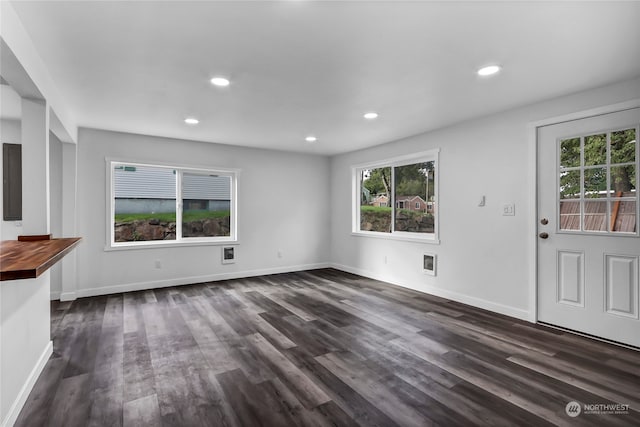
(429, 264)
(228, 255)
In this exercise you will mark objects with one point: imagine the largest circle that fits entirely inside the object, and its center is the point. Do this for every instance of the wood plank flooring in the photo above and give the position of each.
(317, 348)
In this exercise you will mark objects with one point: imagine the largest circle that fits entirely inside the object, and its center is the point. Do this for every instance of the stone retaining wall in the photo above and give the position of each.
(153, 229)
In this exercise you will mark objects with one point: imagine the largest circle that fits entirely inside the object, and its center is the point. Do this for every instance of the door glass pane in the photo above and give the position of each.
(595, 183)
(570, 215)
(623, 181)
(570, 185)
(375, 207)
(623, 146)
(623, 216)
(598, 182)
(595, 150)
(595, 215)
(414, 188)
(570, 152)
(145, 203)
(206, 205)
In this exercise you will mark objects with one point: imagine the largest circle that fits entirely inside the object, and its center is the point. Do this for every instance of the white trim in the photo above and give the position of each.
(442, 293)
(186, 242)
(67, 296)
(193, 167)
(54, 295)
(532, 131)
(398, 235)
(156, 284)
(532, 234)
(406, 159)
(592, 337)
(607, 109)
(18, 404)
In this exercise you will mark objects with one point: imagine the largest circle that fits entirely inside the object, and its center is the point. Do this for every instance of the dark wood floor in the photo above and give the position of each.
(320, 348)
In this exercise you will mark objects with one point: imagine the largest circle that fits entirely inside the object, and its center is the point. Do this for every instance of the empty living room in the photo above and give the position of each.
(319, 213)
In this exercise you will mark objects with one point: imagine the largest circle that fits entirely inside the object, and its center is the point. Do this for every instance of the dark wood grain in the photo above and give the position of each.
(34, 237)
(29, 259)
(317, 348)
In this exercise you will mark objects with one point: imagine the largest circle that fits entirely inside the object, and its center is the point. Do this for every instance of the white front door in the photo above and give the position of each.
(588, 228)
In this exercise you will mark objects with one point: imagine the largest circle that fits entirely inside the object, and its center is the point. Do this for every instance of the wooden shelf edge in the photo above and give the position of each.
(29, 259)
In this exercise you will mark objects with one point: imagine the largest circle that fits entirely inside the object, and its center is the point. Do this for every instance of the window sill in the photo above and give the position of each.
(397, 236)
(158, 244)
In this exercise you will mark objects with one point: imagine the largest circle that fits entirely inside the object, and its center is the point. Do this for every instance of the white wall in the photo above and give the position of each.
(11, 133)
(24, 339)
(282, 205)
(24, 304)
(484, 258)
(55, 189)
(25, 71)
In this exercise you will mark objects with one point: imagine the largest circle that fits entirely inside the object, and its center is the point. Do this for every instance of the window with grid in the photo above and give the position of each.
(597, 183)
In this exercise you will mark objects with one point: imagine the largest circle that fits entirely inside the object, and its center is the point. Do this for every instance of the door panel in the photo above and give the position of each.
(589, 250)
(621, 285)
(571, 278)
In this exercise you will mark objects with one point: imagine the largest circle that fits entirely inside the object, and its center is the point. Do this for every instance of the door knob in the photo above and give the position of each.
(543, 235)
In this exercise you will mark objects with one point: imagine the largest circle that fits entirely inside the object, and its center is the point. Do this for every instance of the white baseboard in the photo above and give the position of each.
(154, 284)
(62, 296)
(17, 405)
(67, 296)
(442, 293)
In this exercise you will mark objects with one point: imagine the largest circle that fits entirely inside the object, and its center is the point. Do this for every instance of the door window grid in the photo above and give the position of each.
(588, 198)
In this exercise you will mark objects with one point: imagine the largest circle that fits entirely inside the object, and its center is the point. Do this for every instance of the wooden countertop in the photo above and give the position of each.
(28, 260)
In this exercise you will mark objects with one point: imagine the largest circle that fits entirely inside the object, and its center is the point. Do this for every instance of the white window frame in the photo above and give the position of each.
(179, 241)
(424, 156)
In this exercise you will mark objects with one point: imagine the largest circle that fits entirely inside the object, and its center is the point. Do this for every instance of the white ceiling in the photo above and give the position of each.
(315, 67)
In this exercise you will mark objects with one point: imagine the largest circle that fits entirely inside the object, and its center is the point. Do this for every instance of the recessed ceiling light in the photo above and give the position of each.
(311, 138)
(220, 81)
(191, 121)
(489, 70)
(371, 115)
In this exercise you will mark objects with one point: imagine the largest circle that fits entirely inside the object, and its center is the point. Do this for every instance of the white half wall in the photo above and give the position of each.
(24, 339)
(282, 207)
(484, 259)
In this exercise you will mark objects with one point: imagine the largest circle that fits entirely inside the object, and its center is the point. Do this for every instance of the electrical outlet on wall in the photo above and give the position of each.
(508, 209)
